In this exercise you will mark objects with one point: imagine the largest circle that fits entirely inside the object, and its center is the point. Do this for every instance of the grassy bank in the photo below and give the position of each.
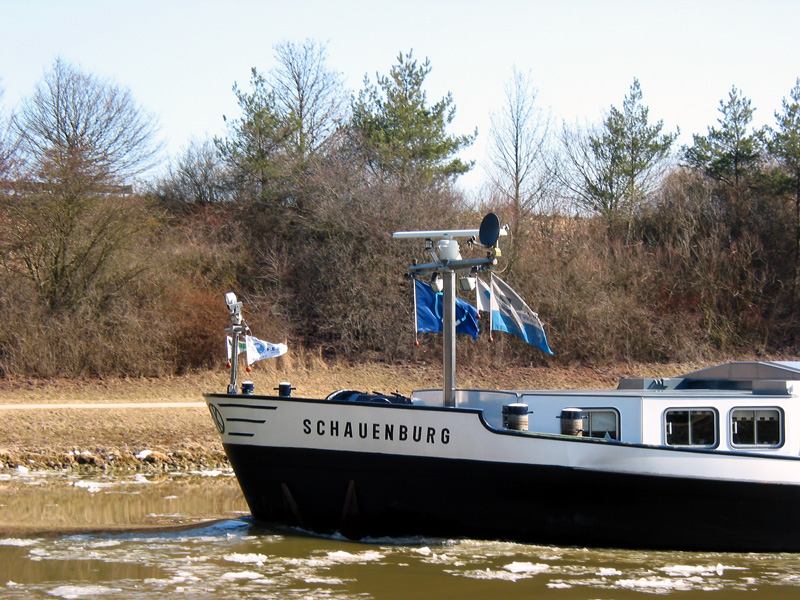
(184, 438)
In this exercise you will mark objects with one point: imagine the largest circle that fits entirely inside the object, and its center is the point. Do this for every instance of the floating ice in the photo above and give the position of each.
(17, 542)
(92, 486)
(210, 472)
(184, 576)
(656, 583)
(81, 591)
(559, 585)
(233, 576)
(686, 570)
(340, 556)
(104, 544)
(325, 580)
(487, 574)
(250, 558)
(526, 567)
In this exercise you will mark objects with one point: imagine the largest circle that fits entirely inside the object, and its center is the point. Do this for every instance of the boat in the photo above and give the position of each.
(705, 461)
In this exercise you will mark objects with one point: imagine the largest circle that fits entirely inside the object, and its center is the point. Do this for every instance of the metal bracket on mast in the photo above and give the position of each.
(446, 263)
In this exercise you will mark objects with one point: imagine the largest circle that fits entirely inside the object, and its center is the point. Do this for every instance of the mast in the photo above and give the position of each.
(449, 335)
(238, 327)
(447, 262)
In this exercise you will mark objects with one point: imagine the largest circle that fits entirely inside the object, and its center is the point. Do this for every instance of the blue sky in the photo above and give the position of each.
(180, 58)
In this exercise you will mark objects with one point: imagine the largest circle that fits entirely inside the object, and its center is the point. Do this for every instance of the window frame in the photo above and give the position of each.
(603, 409)
(755, 410)
(690, 409)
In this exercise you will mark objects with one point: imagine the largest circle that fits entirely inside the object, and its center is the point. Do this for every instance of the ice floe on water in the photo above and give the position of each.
(660, 584)
(212, 472)
(90, 485)
(238, 575)
(104, 543)
(526, 567)
(250, 558)
(18, 542)
(686, 570)
(82, 591)
(340, 556)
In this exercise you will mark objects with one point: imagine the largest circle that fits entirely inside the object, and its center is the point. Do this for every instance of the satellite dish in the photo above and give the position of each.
(490, 230)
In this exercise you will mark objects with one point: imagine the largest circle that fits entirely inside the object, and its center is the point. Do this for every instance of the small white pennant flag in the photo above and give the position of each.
(258, 349)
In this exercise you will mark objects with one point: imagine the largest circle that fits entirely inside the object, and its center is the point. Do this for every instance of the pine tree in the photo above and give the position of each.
(400, 134)
(620, 163)
(730, 153)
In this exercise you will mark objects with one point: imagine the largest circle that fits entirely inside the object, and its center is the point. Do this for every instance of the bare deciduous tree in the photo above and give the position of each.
(197, 176)
(8, 145)
(308, 92)
(579, 171)
(286, 118)
(518, 171)
(67, 230)
(77, 117)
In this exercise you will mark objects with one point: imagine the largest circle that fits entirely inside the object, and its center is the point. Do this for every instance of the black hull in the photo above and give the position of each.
(376, 495)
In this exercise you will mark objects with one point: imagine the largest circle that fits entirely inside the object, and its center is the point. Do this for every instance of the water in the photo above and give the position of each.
(140, 537)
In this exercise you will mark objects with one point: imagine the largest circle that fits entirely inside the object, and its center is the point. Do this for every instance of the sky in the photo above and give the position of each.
(181, 58)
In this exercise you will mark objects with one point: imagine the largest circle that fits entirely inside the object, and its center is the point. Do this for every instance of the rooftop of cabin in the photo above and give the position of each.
(757, 376)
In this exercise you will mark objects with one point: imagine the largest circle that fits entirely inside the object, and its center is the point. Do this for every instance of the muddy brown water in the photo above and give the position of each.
(141, 536)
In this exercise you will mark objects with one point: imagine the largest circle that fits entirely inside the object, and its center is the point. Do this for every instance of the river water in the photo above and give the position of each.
(126, 537)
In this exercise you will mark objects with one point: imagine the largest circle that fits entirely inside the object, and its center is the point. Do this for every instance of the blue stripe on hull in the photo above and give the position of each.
(376, 495)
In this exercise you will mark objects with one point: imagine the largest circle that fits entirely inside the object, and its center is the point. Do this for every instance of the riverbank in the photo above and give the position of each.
(161, 425)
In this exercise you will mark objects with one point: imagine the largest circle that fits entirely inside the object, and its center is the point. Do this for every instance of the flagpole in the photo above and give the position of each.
(416, 316)
(449, 333)
(238, 327)
(237, 331)
(491, 305)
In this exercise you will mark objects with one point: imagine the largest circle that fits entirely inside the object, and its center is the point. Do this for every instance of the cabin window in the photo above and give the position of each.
(691, 427)
(756, 427)
(600, 423)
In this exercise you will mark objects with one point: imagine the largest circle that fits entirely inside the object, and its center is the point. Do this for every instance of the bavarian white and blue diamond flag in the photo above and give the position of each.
(259, 349)
(508, 312)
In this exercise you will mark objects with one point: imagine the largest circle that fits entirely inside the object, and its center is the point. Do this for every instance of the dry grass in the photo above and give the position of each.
(322, 378)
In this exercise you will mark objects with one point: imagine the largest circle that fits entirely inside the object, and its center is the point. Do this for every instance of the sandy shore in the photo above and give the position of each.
(151, 436)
